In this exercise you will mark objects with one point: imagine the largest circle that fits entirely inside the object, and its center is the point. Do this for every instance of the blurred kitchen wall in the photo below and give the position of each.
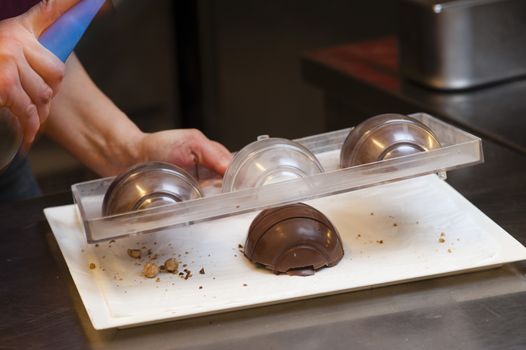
(247, 73)
(251, 58)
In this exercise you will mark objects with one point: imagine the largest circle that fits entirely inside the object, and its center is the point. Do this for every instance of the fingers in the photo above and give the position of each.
(23, 91)
(46, 65)
(14, 97)
(45, 13)
(29, 74)
(185, 148)
(211, 154)
(36, 88)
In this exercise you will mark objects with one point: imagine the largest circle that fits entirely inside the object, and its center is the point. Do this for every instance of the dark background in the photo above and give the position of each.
(228, 67)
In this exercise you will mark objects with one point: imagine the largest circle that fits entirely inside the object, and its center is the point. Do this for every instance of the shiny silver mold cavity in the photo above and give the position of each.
(386, 136)
(149, 185)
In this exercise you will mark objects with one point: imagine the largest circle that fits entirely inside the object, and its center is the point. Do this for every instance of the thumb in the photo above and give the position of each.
(45, 13)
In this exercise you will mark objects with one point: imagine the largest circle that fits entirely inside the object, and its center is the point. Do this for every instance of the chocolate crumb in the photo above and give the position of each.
(371, 214)
(202, 271)
(186, 252)
(171, 265)
(244, 284)
(395, 224)
(150, 270)
(181, 274)
(381, 241)
(134, 253)
(441, 240)
(96, 245)
(200, 287)
(240, 246)
(92, 266)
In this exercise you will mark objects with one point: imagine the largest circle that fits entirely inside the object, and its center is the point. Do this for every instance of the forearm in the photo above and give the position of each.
(89, 125)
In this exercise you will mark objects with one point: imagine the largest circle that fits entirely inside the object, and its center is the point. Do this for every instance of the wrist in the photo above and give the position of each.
(125, 149)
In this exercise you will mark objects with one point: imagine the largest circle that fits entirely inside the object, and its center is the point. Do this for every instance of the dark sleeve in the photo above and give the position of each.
(12, 8)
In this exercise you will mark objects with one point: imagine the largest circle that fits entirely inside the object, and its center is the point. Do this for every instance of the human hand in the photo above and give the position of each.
(30, 75)
(185, 148)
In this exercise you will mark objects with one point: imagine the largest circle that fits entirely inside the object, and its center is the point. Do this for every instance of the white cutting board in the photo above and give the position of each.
(391, 234)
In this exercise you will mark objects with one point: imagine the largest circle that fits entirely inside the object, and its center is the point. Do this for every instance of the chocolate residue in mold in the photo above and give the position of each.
(295, 239)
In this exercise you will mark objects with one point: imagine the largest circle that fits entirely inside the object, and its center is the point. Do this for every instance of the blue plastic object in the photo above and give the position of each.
(63, 35)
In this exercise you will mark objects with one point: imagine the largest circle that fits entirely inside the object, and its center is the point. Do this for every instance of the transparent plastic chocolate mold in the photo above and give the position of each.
(458, 149)
(386, 136)
(149, 185)
(269, 160)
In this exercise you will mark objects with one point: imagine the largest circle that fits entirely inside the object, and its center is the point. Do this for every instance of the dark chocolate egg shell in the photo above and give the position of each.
(295, 239)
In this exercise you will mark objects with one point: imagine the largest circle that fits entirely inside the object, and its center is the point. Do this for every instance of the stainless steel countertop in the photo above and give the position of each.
(480, 310)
